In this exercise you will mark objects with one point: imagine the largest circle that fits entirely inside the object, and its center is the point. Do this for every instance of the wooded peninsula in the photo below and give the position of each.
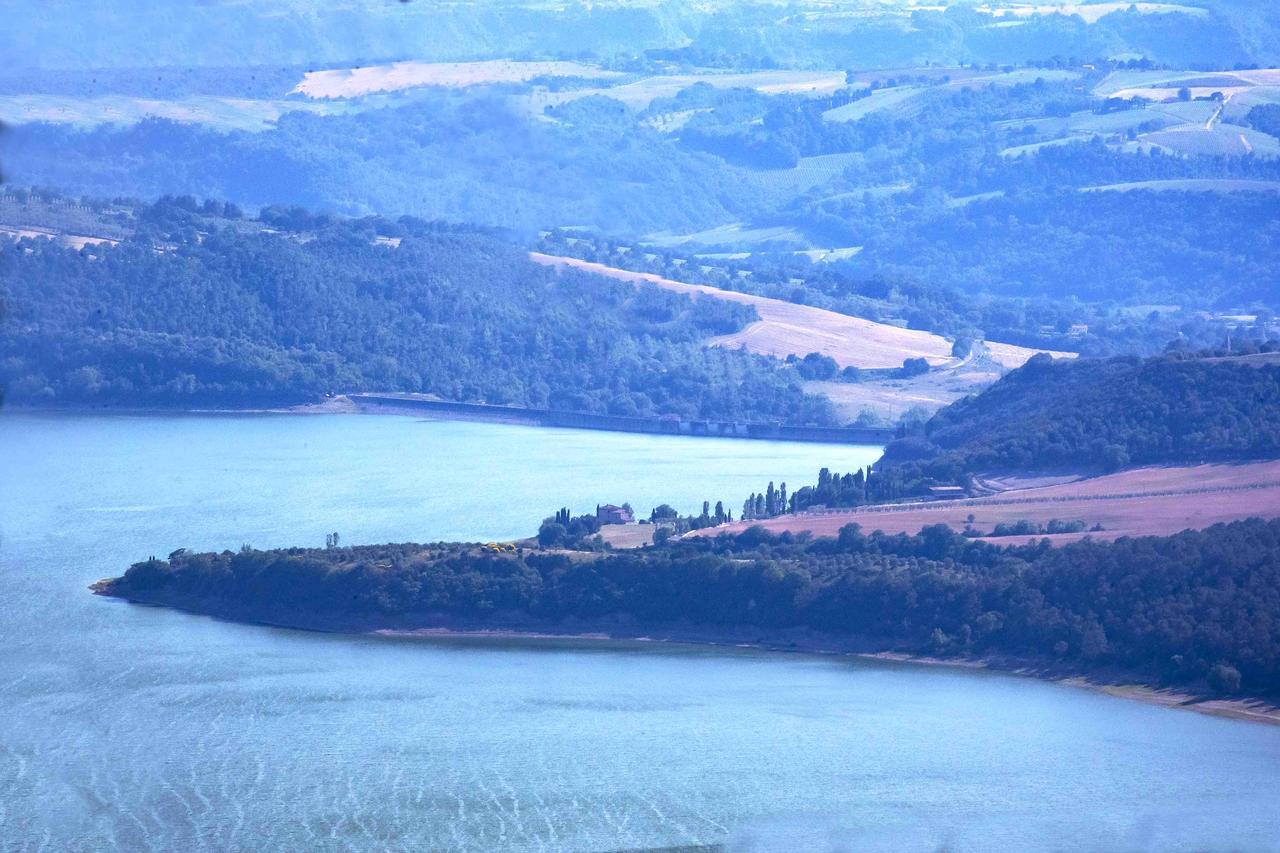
(1199, 610)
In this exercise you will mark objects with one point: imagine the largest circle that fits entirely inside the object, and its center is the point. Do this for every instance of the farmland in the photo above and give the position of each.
(220, 113)
(1179, 112)
(1010, 356)
(735, 234)
(639, 94)
(907, 101)
(1091, 13)
(786, 329)
(1139, 502)
(895, 100)
(1124, 83)
(890, 399)
(355, 82)
(808, 173)
(1222, 139)
(1207, 185)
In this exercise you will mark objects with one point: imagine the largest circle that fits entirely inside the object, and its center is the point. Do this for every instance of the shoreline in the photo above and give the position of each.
(1253, 710)
(476, 413)
(624, 633)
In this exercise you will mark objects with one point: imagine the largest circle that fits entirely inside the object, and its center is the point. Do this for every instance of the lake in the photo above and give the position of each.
(127, 727)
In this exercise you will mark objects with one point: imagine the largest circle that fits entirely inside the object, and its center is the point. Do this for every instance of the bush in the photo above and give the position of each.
(913, 367)
(817, 366)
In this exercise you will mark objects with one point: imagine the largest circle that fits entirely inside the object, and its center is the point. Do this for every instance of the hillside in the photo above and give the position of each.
(1100, 415)
(192, 305)
(785, 328)
(846, 33)
(926, 171)
(877, 351)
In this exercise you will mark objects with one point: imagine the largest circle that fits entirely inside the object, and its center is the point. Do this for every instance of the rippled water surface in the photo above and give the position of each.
(146, 729)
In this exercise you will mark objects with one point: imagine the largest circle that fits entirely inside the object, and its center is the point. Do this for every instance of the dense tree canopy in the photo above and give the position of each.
(1101, 414)
(200, 309)
(1179, 608)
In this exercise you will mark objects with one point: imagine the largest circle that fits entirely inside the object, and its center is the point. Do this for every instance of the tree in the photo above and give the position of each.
(663, 512)
(913, 367)
(817, 366)
(1224, 678)
(551, 534)
(1093, 643)
(1114, 457)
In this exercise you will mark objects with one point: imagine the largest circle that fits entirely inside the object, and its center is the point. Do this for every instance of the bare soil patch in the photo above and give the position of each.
(1011, 356)
(628, 535)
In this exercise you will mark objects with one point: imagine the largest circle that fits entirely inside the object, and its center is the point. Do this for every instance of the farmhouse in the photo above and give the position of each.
(610, 514)
(947, 492)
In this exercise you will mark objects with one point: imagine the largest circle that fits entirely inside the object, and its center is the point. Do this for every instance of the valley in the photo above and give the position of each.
(640, 425)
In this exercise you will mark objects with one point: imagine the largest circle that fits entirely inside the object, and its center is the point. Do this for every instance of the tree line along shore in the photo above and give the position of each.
(1196, 611)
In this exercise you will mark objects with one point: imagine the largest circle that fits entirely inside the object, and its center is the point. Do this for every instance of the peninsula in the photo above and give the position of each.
(1195, 612)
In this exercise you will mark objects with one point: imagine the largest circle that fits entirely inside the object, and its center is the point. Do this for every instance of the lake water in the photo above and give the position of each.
(125, 727)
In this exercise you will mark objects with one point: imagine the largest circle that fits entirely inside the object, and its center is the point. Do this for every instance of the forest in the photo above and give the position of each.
(1200, 608)
(1099, 415)
(125, 36)
(202, 307)
(1047, 320)
(928, 194)
(1088, 417)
